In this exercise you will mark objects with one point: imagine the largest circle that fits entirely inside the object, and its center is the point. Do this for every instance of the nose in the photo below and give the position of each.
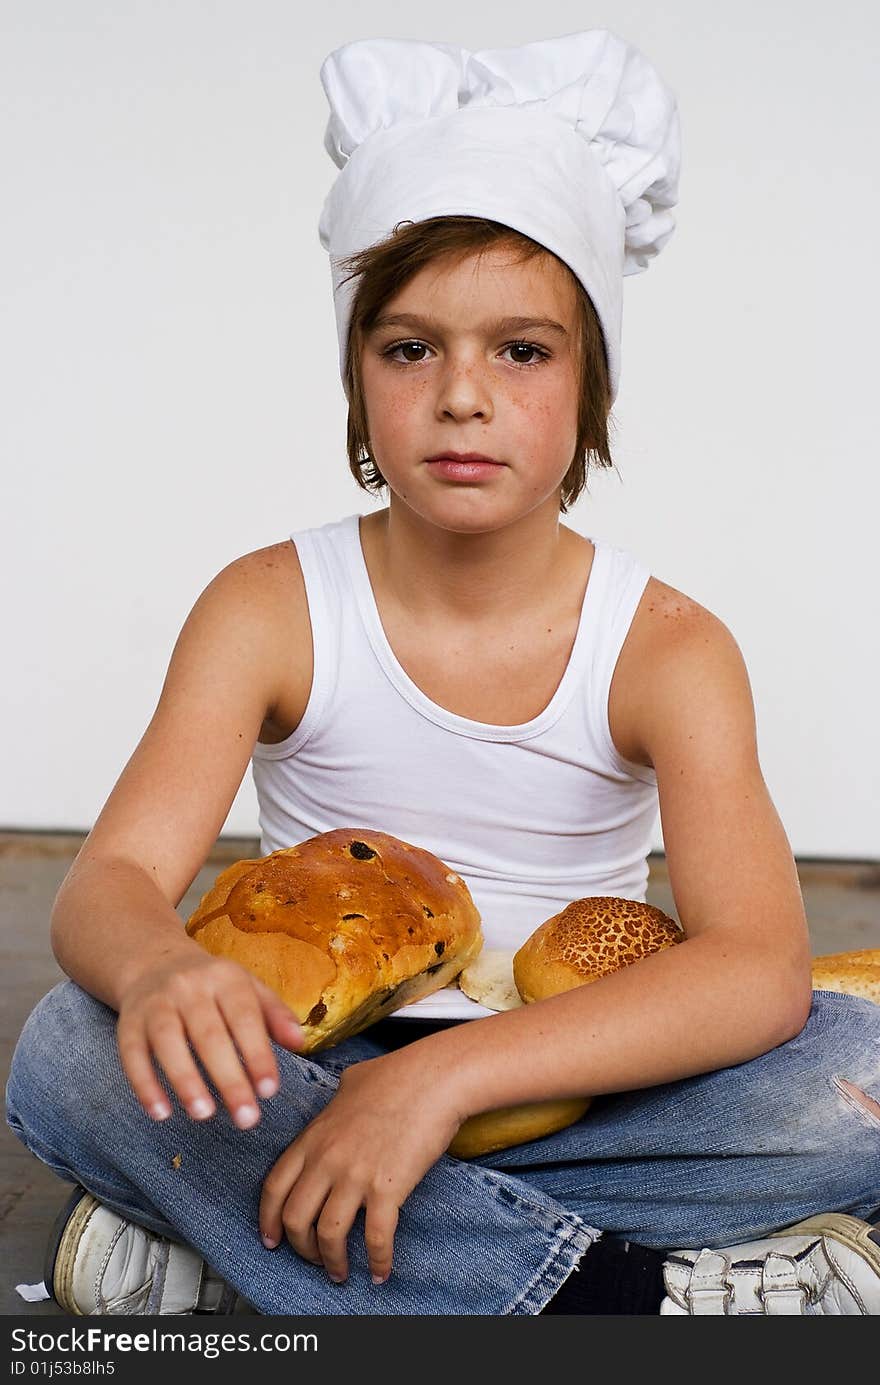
(464, 389)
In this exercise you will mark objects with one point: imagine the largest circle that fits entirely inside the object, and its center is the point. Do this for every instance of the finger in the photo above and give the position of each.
(333, 1225)
(276, 1187)
(167, 1038)
(134, 1055)
(207, 1030)
(301, 1210)
(380, 1226)
(281, 1022)
(244, 1018)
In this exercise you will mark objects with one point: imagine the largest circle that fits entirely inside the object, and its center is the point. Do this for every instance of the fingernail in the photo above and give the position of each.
(201, 1107)
(379, 1278)
(268, 1242)
(337, 1278)
(246, 1116)
(159, 1110)
(267, 1086)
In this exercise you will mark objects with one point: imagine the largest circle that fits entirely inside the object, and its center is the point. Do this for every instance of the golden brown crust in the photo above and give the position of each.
(514, 1125)
(345, 927)
(854, 973)
(587, 939)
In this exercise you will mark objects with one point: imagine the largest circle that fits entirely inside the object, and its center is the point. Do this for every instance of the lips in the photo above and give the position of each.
(451, 469)
(463, 457)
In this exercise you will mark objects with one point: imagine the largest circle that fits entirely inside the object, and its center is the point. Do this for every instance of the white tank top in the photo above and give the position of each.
(531, 816)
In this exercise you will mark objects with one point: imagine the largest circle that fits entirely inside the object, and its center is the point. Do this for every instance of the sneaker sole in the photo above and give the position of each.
(64, 1237)
(856, 1235)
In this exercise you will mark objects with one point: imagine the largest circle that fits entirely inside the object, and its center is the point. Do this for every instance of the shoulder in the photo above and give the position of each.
(264, 606)
(255, 590)
(675, 651)
(669, 619)
(267, 567)
(270, 579)
(691, 677)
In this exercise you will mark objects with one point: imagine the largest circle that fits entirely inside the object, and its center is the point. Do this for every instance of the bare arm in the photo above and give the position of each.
(111, 923)
(114, 925)
(737, 986)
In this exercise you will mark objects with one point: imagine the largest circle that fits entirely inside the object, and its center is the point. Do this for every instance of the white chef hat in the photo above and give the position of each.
(573, 141)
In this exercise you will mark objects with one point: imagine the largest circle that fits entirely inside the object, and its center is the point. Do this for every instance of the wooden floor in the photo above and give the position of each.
(842, 901)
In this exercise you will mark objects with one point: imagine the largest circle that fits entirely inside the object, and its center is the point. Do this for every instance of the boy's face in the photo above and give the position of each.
(450, 377)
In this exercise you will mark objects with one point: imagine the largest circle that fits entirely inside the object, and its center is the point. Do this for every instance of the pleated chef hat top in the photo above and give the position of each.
(573, 141)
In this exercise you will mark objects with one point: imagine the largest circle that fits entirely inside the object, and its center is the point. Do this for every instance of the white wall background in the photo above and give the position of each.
(170, 389)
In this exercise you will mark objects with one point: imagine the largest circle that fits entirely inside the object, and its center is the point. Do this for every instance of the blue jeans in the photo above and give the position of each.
(708, 1160)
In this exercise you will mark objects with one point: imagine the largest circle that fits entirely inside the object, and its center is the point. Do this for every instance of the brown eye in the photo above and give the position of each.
(406, 346)
(531, 349)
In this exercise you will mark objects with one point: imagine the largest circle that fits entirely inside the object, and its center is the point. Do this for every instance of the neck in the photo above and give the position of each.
(475, 579)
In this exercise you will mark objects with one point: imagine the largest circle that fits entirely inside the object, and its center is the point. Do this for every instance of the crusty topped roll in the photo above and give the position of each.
(345, 927)
(587, 939)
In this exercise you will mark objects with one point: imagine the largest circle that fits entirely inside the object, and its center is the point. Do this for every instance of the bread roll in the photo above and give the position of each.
(344, 927)
(515, 1125)
(587, 939)
(855, 973)
(590, 938)
(488, 979)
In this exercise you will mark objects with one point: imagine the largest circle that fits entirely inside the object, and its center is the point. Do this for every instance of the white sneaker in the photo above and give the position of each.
(828, 1265)
(97, 1262)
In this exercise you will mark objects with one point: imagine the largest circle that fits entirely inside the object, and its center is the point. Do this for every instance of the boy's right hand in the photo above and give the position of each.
(215, 1004)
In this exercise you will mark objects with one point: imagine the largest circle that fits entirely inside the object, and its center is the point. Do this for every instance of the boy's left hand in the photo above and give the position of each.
(384, 1127)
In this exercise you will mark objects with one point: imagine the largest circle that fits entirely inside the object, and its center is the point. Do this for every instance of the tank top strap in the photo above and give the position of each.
(324, 581)
(626, 580)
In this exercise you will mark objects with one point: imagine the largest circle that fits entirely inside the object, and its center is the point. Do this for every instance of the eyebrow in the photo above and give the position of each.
(502, 324)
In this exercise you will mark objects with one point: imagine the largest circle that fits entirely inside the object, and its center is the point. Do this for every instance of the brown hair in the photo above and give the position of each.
(386, 267)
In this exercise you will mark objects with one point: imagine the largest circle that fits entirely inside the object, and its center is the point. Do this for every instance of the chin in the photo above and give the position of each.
(479, 519)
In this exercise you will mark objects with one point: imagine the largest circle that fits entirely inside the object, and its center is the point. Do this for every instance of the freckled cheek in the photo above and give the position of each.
(396, 414)
(543, 417)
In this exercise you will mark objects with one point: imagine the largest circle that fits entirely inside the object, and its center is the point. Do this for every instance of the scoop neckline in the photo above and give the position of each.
(482, 730)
